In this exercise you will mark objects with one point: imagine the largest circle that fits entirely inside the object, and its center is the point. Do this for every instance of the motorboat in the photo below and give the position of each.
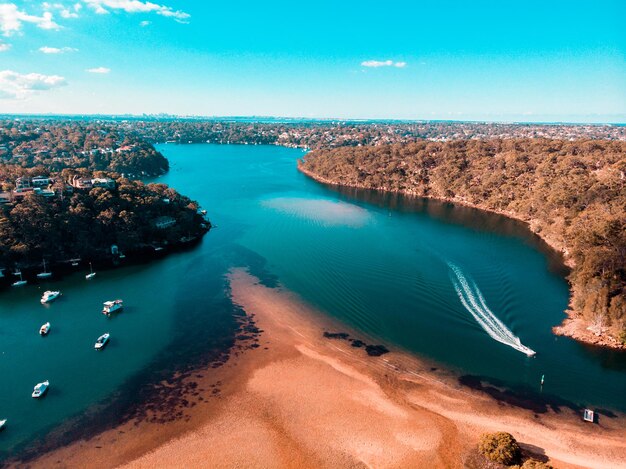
(102, 341)
(49, 296)
(41, 389)
(45, 273)
(43, 330)
(111, 307)
(21, 282)
(3, 423)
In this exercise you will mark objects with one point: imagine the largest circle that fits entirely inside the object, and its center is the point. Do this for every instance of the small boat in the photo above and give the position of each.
(102, 341)
(17, 272)
(20, 282)
(3, 423)
(112, 306)
(41, 389)
(92, 274)
(45, 273)
(49, 296)
(43, 330)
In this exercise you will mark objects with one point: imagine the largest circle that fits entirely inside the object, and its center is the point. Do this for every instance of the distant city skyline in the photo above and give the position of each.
(465, 61)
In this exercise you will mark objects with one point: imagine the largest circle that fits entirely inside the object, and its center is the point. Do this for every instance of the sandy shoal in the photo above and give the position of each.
(302, 400)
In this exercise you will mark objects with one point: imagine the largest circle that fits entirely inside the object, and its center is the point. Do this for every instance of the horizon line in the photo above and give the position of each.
(164, 115)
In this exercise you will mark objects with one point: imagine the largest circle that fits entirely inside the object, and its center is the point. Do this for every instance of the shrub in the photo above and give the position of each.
(534, 464)
(500, 447)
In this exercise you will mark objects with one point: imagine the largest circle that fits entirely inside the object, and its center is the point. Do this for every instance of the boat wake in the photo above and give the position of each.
(473, 300)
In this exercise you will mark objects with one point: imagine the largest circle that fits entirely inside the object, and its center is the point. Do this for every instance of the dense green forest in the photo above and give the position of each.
(60, 222)
(86, 224)
(90, 145)
(572, 193)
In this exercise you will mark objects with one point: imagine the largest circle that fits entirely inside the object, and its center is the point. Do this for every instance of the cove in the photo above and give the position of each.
(380, 263)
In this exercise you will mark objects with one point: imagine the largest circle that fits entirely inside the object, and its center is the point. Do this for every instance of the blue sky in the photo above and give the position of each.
(470, 60)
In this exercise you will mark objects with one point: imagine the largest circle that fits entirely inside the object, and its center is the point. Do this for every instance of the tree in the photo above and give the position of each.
(500, 447)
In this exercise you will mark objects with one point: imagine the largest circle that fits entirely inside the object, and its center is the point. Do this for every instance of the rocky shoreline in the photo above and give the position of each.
(573, 326)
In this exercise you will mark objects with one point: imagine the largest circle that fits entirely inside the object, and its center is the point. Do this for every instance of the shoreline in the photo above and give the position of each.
(294, 398)
(572, 326)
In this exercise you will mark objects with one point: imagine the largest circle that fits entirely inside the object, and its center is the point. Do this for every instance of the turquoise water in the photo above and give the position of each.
(382, 264)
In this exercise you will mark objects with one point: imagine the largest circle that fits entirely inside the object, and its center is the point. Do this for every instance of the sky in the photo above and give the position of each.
(454, 60)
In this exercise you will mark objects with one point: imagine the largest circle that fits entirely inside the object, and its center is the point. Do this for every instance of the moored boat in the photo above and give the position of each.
(110, 307)
(43, 330)
(45, 273)
(102, 341)
(41, 389)
(91, 274)
(49, 296)
(20, 282)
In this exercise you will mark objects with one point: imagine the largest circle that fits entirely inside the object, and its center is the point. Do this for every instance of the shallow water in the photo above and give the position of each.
(378, 262)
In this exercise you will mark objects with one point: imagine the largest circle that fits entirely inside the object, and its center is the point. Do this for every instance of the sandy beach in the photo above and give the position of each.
(294, 398)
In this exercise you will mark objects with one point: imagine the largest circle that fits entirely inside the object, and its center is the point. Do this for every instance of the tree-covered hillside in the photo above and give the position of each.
(572, 193)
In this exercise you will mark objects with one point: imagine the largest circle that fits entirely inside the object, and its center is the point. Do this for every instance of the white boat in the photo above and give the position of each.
(112, 306)
(43, 330)
(20, 282)
(92, 274)
(49, 296)
(45, 273)
(3, 422)
(102, 341)
(41, 389)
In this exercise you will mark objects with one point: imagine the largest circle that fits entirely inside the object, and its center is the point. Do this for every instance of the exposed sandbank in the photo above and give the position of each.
(302, 400)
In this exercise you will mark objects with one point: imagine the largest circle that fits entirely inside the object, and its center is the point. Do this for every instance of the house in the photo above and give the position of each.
(41, 181)
(106, 183)
(44, 192)
(5, 198)
(81, 183)
(23, 184)
(164, 222)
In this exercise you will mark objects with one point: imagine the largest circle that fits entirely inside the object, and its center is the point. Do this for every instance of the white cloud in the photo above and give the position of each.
(136, 6)
(100, 70)
(383, 63)
(11, 19)
(4, 46)
(65, 11)
(143, 24)
(56, 50)
(14, 85)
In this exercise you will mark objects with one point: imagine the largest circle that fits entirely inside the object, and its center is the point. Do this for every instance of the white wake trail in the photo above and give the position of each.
(473, 301)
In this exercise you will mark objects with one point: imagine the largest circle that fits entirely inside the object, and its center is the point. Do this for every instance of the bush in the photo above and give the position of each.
(500, 447)
(534, 464)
